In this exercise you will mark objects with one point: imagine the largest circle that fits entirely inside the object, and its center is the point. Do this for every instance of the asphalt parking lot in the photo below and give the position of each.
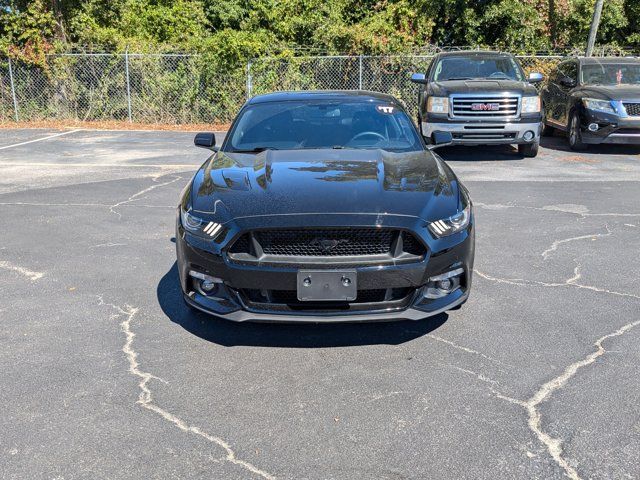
(106, 374)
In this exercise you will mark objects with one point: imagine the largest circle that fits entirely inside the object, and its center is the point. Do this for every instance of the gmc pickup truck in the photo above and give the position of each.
(481, 98)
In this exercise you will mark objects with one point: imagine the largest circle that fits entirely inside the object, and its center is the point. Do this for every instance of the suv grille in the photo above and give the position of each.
(485, 107)
(633, 109)
(304, 245)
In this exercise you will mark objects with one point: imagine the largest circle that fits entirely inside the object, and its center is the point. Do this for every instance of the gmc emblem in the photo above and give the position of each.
(491, 107)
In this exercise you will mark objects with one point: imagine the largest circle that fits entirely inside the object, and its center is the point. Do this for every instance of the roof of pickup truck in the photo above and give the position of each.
(474, 53)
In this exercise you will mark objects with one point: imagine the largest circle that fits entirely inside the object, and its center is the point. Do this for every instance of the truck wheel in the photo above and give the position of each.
(528, 150)
(575, 137)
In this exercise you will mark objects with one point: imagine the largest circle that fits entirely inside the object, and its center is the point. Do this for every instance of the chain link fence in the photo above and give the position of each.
(187, 89)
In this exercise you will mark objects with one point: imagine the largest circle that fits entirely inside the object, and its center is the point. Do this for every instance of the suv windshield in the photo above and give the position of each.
(295, 125)
(610, 74)
(462, 68)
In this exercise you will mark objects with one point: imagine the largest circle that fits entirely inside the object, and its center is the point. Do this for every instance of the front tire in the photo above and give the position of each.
(528, 150)
(575, 137)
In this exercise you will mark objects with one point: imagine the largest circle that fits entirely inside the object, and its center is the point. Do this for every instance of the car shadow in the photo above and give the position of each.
(461, 153)
(559, 143)
(304, 335)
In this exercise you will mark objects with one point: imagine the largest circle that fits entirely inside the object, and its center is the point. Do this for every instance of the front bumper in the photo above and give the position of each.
(231, 303)
(611, 129)
(485, 133)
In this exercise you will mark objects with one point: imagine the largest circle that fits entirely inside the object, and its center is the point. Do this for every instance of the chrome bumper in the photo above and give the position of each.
(482, 134)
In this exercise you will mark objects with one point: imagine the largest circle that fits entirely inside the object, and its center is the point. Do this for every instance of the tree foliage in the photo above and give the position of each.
(232, 31)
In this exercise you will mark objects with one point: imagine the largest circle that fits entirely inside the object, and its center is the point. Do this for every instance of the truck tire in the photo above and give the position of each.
(528, 150)
(575, 137)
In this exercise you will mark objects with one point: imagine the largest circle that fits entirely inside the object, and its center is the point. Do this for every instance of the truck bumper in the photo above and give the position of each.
(485, 133)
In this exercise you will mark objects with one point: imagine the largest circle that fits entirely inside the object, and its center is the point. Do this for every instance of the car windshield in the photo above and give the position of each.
(610, 74)
(462, 68)
(295, 125)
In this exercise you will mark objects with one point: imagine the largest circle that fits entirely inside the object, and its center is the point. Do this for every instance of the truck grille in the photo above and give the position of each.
(485, 106)
(295, 246)
(633, 109)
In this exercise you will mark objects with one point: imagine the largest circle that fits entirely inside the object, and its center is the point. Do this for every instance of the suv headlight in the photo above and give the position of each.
(598, 105)
(531, 104)
(438, 105)
(199, 226)
(453, 224)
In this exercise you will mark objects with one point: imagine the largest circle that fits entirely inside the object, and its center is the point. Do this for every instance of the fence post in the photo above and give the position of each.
(126, 69)
(249, 81)
(13, 90)
(360, 72)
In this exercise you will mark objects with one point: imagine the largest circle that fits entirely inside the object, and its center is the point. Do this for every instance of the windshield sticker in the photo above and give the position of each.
(387, 109)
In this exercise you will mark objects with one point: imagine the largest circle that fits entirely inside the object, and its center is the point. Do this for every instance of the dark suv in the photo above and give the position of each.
(594, 100)
(481, 97)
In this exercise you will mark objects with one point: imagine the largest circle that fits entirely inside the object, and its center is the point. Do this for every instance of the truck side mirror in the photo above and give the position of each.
(418, 78)
(535, 77)
(440, 139)
(205, 140)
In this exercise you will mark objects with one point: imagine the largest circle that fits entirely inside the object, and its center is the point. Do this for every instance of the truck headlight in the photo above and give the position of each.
(598, 105)
(531, 104)
(438, 105)
(454, 224)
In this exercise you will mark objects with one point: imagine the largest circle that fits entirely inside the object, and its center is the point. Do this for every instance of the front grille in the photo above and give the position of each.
(483, 136)
(338, 244)
(485, 107)
(633, 109)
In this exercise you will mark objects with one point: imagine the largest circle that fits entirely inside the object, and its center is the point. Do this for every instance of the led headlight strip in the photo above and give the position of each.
(212, 229)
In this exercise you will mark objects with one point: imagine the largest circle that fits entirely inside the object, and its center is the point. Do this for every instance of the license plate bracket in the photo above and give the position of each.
(327, 285)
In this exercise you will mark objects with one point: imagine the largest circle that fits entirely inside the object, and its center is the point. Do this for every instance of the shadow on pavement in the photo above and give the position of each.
(459, 153)
(558, 142)
(226, 333)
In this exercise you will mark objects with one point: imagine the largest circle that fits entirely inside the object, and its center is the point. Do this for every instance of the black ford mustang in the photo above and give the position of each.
(320, 207)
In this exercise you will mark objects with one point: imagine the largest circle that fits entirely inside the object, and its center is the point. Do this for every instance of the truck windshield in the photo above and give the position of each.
(463, 68)
(610, 74)
(295, 125)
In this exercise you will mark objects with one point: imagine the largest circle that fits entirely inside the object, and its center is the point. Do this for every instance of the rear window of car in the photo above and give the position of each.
(294, 125)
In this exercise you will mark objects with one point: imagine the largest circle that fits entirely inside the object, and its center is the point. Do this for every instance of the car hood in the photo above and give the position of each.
(279, 182)
(613, 92)
(481, 86)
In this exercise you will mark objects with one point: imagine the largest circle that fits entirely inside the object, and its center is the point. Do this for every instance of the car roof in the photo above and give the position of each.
(606, 60)
(474, 53)
(332, 95)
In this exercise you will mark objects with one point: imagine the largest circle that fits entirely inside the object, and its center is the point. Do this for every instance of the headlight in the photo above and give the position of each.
(598, 105)
(199, 226)
(531, 104)
(454, 224)
(438, 105)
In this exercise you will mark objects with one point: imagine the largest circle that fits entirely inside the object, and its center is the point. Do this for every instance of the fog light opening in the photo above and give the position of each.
(593, 127)
(528, 135)
(205, 284)
(442, 285)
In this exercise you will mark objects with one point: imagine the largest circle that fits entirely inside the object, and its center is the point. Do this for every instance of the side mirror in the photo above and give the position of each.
(567, 82)
(419, 78)
(440, 139)
(535, 77)
(205, 140)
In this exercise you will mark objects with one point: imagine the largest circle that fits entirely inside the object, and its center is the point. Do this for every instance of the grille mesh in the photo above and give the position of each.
(633, 109)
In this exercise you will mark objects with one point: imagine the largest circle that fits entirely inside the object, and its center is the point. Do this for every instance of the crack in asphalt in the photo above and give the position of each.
(112, 208)
(33, 276)
(554, 246)
(553, 445)
(465, 349)
(579, 210)
(145, 399)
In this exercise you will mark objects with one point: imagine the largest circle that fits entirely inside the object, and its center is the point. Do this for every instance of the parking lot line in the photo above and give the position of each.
(41, 139)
